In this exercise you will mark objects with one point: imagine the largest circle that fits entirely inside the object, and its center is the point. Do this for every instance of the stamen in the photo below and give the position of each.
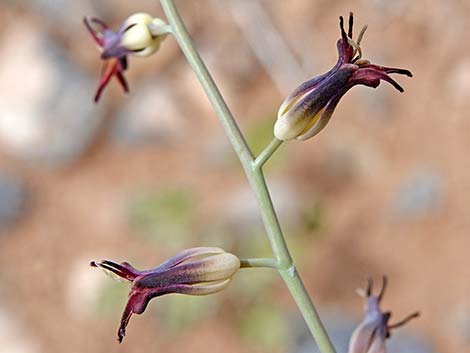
(341, 26)
(357, 49)
(390, 80)
(97, 36)
(361, 34)
(351, 21)
(404, 321)
(384, 286)
(99, 22)
(369, 287)
(398, 71)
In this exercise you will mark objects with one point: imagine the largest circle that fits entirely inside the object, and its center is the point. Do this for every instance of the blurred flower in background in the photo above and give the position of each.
(140, 34)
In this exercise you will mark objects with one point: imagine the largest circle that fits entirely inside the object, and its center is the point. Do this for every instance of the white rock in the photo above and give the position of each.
(46, 108)
(13, 337)
(83, 287)
(152, 113)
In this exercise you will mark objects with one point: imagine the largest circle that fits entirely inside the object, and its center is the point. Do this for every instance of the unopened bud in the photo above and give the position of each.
(307, 110)
(143, 34)
(195, 271)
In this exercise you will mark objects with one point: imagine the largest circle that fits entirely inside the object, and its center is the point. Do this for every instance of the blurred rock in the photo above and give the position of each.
(47, 113)
(418, 194)
(458, 83)
(243, 211)
(217, 151)
(14, 339)
(83, 288)
(233, 67)
(12, 199)
(152, 114)
(459, 322)
(63, 14)
(340, 328)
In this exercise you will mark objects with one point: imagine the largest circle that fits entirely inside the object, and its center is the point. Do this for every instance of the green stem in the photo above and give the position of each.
(267, 152)
(254, 173)
(259, 262)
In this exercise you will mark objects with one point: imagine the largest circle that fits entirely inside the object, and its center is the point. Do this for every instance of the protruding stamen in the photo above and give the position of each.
(357, 49)
(361, 34)
(351, 22)
(341, 26)
(384, 286)
(369, 287)
(96, 35)
(404, 321)
(392, 82)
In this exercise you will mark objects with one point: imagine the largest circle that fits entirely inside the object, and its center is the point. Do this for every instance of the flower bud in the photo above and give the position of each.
(195, 271)
(140, 35)
(307, 110)
(372, 332)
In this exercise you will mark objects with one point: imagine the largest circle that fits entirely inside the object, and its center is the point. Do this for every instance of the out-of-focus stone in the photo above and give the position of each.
(46, 110)
(458, 83)
(152, 114)
(13, 338)
(12, 199)
(418, 194)
(63, 14)
(83, 288)
(243, 211)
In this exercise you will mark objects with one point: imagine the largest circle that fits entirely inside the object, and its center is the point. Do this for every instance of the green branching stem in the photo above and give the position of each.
(259, 262)
(254, 172)
(267, 152)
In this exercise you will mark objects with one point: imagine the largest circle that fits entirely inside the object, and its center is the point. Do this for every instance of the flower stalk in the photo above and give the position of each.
(254, 173)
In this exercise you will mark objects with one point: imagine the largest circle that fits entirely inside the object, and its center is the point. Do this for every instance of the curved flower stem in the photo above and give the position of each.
(267, 152)
(254, 173)
(259, 262)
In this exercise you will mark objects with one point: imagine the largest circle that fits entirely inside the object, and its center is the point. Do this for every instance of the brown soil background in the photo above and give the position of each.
(75, 213)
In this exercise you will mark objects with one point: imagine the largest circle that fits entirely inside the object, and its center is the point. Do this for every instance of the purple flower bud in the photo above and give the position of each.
(370, 335)
(195, 271)
(307, 110)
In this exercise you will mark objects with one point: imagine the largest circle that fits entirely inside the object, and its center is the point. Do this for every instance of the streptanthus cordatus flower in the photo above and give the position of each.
(307, 110)
(370, 335)
(195, 271)
(139, 35)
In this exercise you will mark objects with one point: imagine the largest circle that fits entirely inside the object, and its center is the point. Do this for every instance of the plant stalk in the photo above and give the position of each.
(267, 153)
(254, 173)
(259, 262)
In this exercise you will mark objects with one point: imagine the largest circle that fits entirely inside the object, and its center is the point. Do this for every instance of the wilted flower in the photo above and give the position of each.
(307, 110)
(195, 271)
(370, 335)
(140, 35)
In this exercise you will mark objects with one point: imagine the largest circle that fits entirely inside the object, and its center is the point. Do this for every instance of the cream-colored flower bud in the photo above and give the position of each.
(142, 34)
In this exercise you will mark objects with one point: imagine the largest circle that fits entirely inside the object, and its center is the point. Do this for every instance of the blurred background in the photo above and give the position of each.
(384, 189)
